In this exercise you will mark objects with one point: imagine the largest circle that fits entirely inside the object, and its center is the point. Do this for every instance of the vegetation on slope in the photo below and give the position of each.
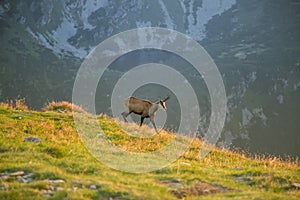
(42, 157)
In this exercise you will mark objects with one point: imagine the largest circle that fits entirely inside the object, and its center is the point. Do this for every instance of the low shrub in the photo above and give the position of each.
(62, 106)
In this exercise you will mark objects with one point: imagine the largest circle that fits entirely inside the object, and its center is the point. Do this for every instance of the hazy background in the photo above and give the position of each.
(255, 44)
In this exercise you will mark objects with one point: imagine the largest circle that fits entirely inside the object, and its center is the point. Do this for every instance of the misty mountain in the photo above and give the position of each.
(255, 44)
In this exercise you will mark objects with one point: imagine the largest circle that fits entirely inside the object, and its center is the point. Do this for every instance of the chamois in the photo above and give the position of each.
(144, 108)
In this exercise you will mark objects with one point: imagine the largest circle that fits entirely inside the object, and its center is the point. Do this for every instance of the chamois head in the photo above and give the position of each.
(162, 102)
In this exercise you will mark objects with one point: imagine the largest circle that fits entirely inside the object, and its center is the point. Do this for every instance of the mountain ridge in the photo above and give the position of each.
(255, 48)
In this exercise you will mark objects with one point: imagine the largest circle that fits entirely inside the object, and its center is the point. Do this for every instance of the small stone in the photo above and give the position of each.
(28, 176)
(61, 111)
(28, 180)
(238, 168)
(175, 180)
(19, 173)
(3, 187)
(32, 139)
(99, 135)
(206, 191)
(47, 192)
(21, 179)
(244, 179)
(4, 177)
(57, 181)
(59, 189)
(296, 185)
(93, 187)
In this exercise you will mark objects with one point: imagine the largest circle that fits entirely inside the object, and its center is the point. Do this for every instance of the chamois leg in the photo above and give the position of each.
(125, 114)
(153, 123)
(127, 110)
(142, 120)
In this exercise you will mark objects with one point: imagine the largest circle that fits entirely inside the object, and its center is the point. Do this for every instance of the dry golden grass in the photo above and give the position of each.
(134, 130)
(18, 104)
(62, 106)
(63, 155)
(131, 137)
(5, 105)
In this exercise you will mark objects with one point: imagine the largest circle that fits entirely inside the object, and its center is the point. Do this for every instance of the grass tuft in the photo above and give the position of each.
(18, 104)
(62, 107)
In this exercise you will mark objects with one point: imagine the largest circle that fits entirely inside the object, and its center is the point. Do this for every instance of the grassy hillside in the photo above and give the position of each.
(42, 157)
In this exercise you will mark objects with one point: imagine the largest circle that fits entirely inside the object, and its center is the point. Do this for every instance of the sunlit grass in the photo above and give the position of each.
(18, 104)
(62, 155)
(62, 106)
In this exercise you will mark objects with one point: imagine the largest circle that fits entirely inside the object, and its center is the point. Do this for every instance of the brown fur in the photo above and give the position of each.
(144, 108)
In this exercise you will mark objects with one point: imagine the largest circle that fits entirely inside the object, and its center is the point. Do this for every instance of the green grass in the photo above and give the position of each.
(61, 155)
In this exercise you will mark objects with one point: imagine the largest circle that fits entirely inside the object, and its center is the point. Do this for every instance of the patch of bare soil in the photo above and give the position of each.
(198, 188)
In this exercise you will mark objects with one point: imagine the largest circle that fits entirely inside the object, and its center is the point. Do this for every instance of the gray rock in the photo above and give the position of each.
(3, 187)
(27, 176)
(238, 168)
(4, 177)
(47, 193)
(32, 139)
(243, 179)
(52, 187)
(59, 189)
(77, 184)
(21, 179)
(93, 187)
(53, 184)
(175, 180)
(57, 181)
(19, 173)
(25, 179)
